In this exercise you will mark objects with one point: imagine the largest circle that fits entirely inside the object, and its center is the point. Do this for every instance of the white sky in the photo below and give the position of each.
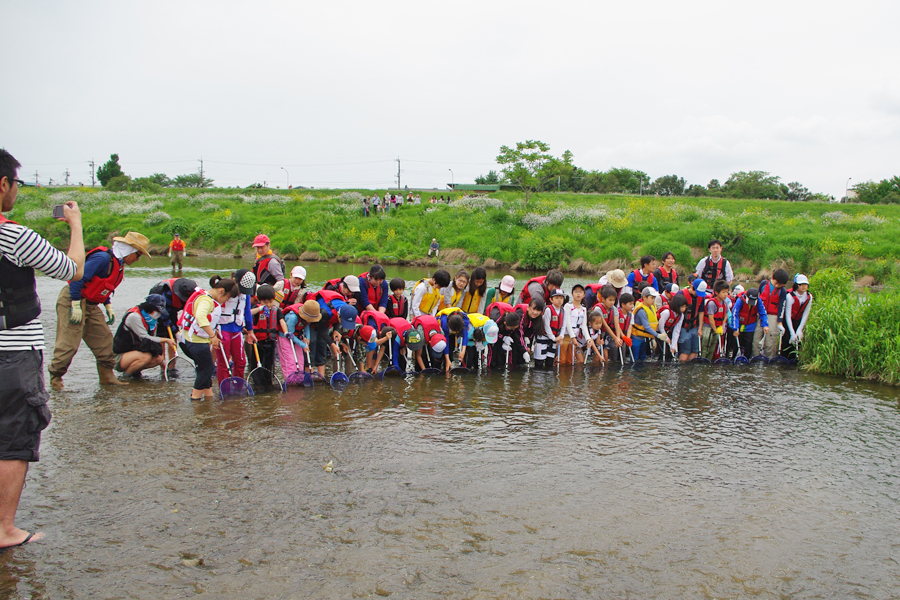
(335, 91)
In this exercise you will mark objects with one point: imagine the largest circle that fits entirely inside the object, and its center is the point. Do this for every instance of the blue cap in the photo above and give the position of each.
(696, 283)
(348, 316)
(159, 301)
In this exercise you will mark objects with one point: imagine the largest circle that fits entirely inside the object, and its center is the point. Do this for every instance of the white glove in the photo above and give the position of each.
(110, 315)
(479, 346)
(507, 346)
(76, 315)
(663, 337)
(526, 357)
(279, 286)
(781, 329)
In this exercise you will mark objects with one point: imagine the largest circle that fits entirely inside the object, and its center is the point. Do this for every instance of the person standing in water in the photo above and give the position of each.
(176, 251)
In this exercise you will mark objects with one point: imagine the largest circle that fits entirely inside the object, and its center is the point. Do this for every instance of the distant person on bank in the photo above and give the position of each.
(23, 399)
(176, 251)
(269, 268)
(78, 308)
(435, 247)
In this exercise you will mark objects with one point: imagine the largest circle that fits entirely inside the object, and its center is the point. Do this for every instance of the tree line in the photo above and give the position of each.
(530, 167)
(112, 178)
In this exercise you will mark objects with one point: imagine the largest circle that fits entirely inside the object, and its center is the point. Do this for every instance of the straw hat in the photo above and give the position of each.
(135, 240)
(616, 278)
(311, 312)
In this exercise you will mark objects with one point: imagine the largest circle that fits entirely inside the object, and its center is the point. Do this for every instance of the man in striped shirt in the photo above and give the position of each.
(23, 398)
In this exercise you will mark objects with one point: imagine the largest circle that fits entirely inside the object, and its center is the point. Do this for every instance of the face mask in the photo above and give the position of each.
(150, 319)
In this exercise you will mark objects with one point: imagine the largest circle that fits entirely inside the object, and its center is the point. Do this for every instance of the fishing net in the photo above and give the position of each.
(234, 386)
(180, 369)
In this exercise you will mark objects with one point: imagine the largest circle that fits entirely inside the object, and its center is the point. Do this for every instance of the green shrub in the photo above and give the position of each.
(541, 252)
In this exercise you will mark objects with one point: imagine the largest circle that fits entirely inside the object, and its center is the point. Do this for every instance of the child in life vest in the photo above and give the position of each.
(376, 340)
(593, 351)
(268, 323)
(236, 327)
(403, 336)
(482, 332)
(504, 292)
(612, 338)
(644, 274)
(293, 288)
(455, 326)
(669, 321)
(198, 331)
(773, 295)
(575, 333)
(297, 319)
(625, 310)
(730, 341)
(427, 294)
(644, 323)
(716, 313)
(507, 351)
(397, 304)
(473, 301)
(434, 354)
(551, 335)
(748, 314)
(532, 323)
(796, 311)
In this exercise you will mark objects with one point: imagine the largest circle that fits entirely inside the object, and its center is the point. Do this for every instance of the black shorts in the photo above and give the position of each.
(23, 404)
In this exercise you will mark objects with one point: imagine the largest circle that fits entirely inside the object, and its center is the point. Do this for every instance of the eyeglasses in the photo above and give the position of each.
(20, 182)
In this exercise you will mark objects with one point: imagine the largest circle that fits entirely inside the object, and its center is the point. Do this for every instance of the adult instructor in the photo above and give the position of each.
(78, 308)
(23, 399)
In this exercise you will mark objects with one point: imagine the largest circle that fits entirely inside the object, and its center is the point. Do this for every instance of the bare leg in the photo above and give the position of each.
(12, 479)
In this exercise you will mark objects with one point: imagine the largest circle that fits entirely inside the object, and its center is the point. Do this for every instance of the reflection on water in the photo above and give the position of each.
(676, 481)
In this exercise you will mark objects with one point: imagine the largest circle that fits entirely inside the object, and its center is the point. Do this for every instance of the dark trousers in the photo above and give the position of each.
(262, 380)
(746, 341)
(201, 354)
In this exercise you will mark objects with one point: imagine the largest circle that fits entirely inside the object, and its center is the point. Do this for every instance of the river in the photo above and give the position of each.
(661, 482)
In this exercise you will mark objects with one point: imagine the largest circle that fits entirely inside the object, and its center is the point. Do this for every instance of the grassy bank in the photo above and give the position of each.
(851, 335)
(577, 232)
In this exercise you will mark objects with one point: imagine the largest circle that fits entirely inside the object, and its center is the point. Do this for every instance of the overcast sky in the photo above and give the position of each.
(334, 92)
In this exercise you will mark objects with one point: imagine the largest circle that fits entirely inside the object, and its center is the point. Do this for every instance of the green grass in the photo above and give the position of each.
(556, 229)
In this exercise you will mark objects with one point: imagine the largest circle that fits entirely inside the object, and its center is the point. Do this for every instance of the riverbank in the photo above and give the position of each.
(579, 233)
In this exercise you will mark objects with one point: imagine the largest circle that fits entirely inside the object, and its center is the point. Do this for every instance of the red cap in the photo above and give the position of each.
(366, 332)
(260, 240)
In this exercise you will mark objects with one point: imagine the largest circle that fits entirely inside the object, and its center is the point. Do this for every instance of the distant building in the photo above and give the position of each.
(472, 188)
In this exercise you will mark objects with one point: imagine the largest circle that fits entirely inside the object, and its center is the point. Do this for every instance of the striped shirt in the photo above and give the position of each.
(25, 248)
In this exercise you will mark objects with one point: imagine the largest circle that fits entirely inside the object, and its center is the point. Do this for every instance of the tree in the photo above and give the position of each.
(524, 166)
(109, 170)
(192, 180)
(119, 183)
(160, 179)
(696, 190)
(490, 179)
(753, 184)
(885, 191)
(145, 184)
(796, 192)
(668, 185)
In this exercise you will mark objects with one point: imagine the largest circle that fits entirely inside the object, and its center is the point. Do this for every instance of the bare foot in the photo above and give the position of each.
(56, 383)
(21, 540)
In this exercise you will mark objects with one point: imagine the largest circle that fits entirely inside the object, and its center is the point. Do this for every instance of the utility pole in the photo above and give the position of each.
(201, 172)
(93, 181)
(398, 172)
(37, 181)
(67, 176)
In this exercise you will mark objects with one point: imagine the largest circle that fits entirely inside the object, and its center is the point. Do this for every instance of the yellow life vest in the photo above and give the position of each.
(478, 320)
(448, 311)
(430, 298)
(471, 302)
(456, 297)
(651, 317)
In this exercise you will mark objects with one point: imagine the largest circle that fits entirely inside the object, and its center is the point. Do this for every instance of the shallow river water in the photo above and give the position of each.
(663, 482)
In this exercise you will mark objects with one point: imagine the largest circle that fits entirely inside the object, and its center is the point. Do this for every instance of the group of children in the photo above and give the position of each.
(248, 319)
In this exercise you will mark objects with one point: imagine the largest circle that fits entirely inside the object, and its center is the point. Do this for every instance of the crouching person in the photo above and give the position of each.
(136, 345)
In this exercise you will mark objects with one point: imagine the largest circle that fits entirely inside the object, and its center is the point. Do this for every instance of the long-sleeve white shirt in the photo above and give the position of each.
(789, 307)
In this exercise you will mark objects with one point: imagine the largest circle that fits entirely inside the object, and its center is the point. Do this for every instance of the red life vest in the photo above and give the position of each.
(624, 320)
(713, 271)
(328, 297)
(771, 297)
(177, 245)
(187, 322)
(797, 308)
(371, 288)
(291, 294)
(170, 284)
(375, 318)
(262, 266)
(525, 296)
(268, 329)
(692, 312)
(610, 316)
(719, 315)
(592, 295)
(333, 285)
(430, 326)
(748, 312)
(98, 289)
(398, 305)
(639, 277)
(670, 322)
(556, 319)
(496, 310)
(401, 325)
(301, 323)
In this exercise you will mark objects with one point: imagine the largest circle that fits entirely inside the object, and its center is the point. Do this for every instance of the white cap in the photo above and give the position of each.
(800, 278)
(298, 272)
(675, 288)
(650, 291)
(352, 282)
(738, 289)
(508, 283)
(439, 347)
